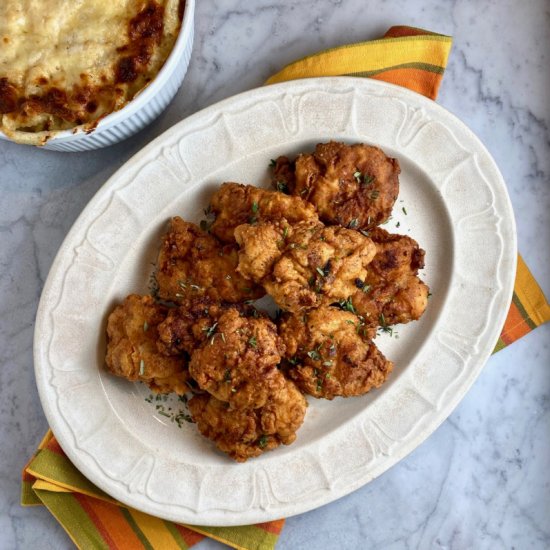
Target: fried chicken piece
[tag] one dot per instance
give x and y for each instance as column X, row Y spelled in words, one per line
column 304, row 265
column 245, row 433
column 238, row 361
column 330, row 353
column 132, row 347
column 193, row 264
column 393, row 292
column 235, row 204
column 350, row 185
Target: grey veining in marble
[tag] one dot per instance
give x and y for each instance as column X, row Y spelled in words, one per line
column 482, row 479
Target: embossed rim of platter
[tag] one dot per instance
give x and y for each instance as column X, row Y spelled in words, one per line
column 399, row 419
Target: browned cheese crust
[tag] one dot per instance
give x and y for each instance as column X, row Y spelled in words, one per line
column 103, row 73
column 238, row 361
column 305, row 265
column 330, row 354
column 193, row 264
column 235, row 204
column 353, row 186
column 243, row 434
column 393, row 292
column 132, row 347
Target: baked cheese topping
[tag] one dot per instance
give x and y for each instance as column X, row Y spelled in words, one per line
column 68, row 64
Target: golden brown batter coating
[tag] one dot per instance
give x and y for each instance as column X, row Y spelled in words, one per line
column 304, row 265
column 238, row 361
column 350, row 185
column 132, row 346
column 187, row 326
column 193, row 264
column 330, row 353
column 235, row 204
column 245, row 433
column 393, row 292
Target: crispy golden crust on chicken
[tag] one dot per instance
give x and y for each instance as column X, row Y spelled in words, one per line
column 330, row 354
column 235, row 204
column 308, row 264
column 186, row 326
column 393, row 292
column 350, row 185
column 132, row 346
column 193, row 264
column 238, row 361
column 245, row 433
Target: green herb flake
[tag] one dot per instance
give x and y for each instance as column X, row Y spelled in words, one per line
column 262, row 442
column 282, row 187
column 210, row 331
column 347, row 305
column 252, row 341
column 404, row 210
column 357, row 176
column 353, row 224
column 254, row 207
column 367, row 179
column 314, row 354
column 272, row 163
column 397, row 224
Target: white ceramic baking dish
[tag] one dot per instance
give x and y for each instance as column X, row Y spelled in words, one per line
column 145, row 106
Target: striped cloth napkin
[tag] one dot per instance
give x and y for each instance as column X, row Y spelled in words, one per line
column 410, row 57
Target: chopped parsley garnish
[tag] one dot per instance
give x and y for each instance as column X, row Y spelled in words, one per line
column 367, row 179
column 254, row 207
column 272, row 163
column 347, row 305
column 353, row 224
column 282, row 187
column 252, row 341
column 314, row 353
column 210, row 331
column 262, row 442
column 366, row 288
column 397, row 224
column 227, row 375
column 404, row 210
column 357, row 175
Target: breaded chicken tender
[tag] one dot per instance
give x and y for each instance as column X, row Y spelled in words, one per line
column 235, row 204
column 393, row 292
column 353, row 186
column 132, row 347
column 237, row 363
column 330, row 354
column 245, row 433
column 192, row 264
column 304, row 265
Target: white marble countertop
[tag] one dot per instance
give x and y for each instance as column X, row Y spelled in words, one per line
column 482, row 479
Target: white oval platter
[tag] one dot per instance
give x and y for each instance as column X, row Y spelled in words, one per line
column 453, row 201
